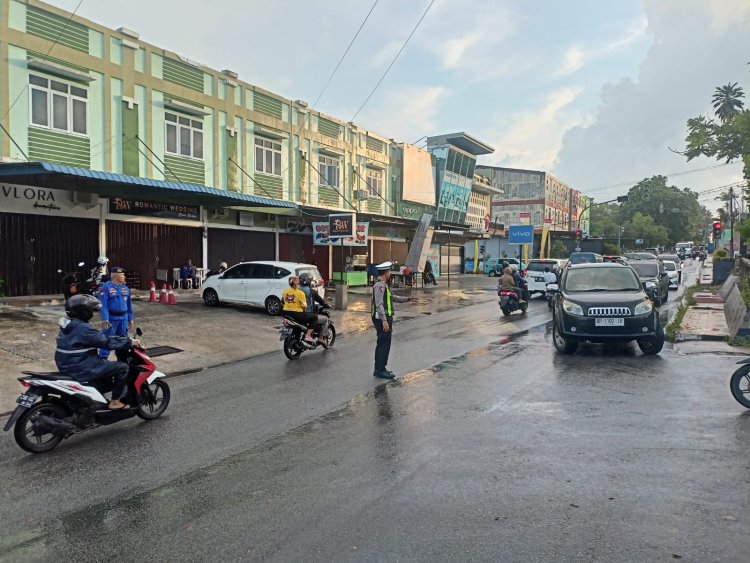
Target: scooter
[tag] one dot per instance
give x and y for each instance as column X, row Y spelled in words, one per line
column 78, row 282
column 550, row 291
column 55, row 406
column 509, row 301
column 739, row 384
column 293, row 333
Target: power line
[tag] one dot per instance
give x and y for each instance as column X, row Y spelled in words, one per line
column 341, row 60
column 393, row 61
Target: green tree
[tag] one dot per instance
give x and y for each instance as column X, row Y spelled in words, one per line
column 644, row 227
column 727, row 101
column 605, row 220
column 559, row 250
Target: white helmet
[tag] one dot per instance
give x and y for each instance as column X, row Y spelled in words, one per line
column 102, row 260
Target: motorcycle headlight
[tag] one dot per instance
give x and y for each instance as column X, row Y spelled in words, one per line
column 643, row 307
column 572, row 308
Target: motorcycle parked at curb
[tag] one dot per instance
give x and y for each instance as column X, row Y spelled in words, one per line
column 55, row 406
column 293, row 335
column 78, row 281
column 739, row 384
column 550, row 291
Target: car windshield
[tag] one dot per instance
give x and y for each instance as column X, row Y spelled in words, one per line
column 670, row 266
column 582, row 258
column 647, row 270
column 602, row 279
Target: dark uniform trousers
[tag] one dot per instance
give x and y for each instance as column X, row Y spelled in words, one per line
column 383, row 346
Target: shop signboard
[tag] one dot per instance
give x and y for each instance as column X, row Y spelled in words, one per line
column 413, row 211
column 321, row 238
column 521, row 234
column 45, row 201
column 159, row 209
column 341, row 225
column 454, row 202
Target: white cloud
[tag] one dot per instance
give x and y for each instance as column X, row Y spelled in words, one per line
column 407, row 111
column 573, row 59
column 455, row 49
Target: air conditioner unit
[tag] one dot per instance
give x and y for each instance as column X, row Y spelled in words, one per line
column 219, row 213
column 83, row 198
column 361, row 195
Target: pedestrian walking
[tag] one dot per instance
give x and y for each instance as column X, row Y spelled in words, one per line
column 382, row 319
column 117, row 307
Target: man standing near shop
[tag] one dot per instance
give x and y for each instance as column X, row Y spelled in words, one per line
column 382, row 319
column 117, row 307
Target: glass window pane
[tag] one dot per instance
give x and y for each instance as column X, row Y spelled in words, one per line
column 39, row 109
column 80, row 92
column 184, row 141
column 269, row 162
column 465, row 166
column 258, row 159
column 170, row 117
column 277, row 146
column 38, row 80
column 197, row 124
column 198, row 144
column 323, row 169
column 79, row 116
column 59, row 86
column 171, row 138
column 451, row 161
column 184, row 121
column 60, row 112
column 268, row 144
column 277, row 163
column 259, row 142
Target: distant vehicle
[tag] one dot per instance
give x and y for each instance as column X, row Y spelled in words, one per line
column 674, row 276
column 654, row 251
column 678, row 263
column 604, row 303
column 615, row 258
column 493, row 266
column 585, row 258
column 684, row 249
column 655, row 279
column 641, row 256
column 534, row 273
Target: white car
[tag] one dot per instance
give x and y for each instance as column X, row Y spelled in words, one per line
column 534, row 273
column 673, row 273
column 259, row 284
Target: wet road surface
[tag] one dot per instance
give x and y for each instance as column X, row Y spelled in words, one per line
column 492, row 448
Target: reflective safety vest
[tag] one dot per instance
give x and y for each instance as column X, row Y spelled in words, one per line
column 387, row 303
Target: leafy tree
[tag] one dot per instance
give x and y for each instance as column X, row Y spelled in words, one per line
column 559, row 250
column 610, row 248
column 727, row 101
column 605, row 220
column 644, row 227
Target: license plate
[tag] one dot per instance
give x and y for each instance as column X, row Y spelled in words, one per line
column 25, row 400
column 539, row 279
column 284, row 332
column 610, row 322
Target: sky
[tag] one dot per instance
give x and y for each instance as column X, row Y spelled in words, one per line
column 595, row 92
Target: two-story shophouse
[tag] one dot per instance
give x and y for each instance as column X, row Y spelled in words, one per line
column 111, row 145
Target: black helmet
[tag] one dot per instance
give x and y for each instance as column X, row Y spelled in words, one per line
column 83, row 306
column 305, row 278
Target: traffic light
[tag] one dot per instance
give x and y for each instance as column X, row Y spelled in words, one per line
column 579, row 234
column 717, row 230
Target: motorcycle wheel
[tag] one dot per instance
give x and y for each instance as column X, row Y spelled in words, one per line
column 739, row 384
column 524, row 306
column 24, row 434
column 331, row 337
column 154, row 399
column 292, row 348
column 507, row 312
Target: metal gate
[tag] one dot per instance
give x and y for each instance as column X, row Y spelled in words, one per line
column 233, row 246
column 34, row 247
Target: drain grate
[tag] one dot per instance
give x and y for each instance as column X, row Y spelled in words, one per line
column 161, row 351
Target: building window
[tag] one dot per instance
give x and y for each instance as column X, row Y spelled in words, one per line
column 329, row 171
column 183, row 136
column 375, row 182
column 58, row 106
column 268, row 157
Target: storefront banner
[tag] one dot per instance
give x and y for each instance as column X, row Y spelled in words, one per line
column 454, row 202
column 320, row 236
column 45, row 201
column 341, row 225
column 154, row 209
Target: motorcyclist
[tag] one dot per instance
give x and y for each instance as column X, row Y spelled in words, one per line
column 508, row 282
column 313, row 297
column 215, row 272
column 99, row 272
column 549, row 277
column 76, row 355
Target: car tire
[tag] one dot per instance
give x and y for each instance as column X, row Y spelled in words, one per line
column 273, row 306
column 211, row 298
column 653, row 345
column 562, row 344
column 491, row 273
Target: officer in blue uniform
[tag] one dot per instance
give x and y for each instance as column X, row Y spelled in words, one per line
column 117, row 308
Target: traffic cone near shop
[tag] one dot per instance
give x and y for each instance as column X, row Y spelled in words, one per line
column 172, row 300
column 152, row 293
column 163, row 295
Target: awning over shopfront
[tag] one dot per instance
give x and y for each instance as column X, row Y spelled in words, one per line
column 106, row 184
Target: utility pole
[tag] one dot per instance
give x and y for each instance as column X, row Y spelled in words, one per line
column 731, row 222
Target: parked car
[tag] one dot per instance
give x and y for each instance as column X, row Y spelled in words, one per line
column 674, row 277
column 655, row 279
column 604, row 303
column 585, row 257
column 534, row 273
column 259, row 284
column 493, row 266
column 654, row 251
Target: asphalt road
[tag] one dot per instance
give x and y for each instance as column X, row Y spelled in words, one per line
column 491, row 447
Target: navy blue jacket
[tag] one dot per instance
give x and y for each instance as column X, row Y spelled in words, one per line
column 312, row 297
column 77, row 344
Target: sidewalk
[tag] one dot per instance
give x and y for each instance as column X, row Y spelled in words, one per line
column 206, row 336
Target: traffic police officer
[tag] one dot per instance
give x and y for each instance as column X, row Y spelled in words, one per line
column 117, row 308
column 382, row 318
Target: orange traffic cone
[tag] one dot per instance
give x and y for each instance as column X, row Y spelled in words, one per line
column 152, row 293
column 172, row 300
column 163, row 295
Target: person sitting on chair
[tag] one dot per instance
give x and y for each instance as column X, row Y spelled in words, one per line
column 187, row 272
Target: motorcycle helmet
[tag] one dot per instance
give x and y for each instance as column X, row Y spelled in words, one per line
column 304, row 279
column 102, row 260
column 223, row 265
column 83, row 306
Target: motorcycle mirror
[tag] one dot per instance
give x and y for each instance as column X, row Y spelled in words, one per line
column 81, row 264
column 138, row 331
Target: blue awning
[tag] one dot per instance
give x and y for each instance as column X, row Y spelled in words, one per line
column 107, row 184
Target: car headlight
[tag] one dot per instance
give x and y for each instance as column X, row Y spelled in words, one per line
column 572, row 308
column 643, row 307
column 650, row 285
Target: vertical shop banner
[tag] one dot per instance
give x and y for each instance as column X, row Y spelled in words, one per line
column 321, row 237
column 524, row 218
column 433, row 255
column 546, row 246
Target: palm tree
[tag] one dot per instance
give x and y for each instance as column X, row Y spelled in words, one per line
column 727, row 101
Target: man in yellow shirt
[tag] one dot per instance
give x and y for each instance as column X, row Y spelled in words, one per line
column 294, row 304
